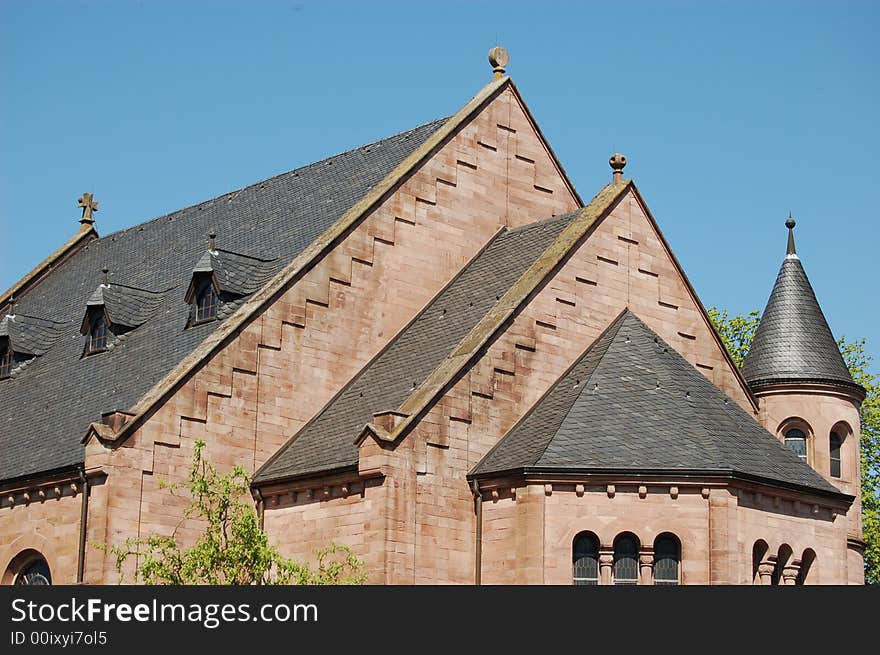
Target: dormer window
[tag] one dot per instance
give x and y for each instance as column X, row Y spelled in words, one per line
column 96, row 341
column 206, row 302
column 220, row 279
column 6, row 359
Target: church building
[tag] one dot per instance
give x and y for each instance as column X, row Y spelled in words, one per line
column 434, row 350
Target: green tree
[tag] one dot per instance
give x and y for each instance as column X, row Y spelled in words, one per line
column 737, row 333
column 234, row 549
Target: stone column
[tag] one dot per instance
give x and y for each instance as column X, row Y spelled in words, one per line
column 646, row 568
column 790, row 572
column 606, row 561
column 765, row 571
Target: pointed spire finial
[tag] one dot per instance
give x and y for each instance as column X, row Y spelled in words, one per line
column 499, row 59
column 790, row 225
column 617, row 162
column 89, row 205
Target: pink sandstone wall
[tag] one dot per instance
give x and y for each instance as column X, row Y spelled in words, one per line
column 622, row 264
column 528, row 540
column 822, row 410
column 49, row 526
column 286, row 364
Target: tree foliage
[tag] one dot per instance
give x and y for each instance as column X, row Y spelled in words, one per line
column 737, row 333
column 233, row 549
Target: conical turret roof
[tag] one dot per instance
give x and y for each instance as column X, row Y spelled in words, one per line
column 793, row 341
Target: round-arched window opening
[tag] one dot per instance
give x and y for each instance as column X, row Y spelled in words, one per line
column 667, row 555
column 35, row 572
column 796, row 441
column 835, row 441
column 626, row 560
column 585, row 559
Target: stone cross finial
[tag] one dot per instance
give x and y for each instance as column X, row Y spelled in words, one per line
column 499, row 59
column 617, row 162
column 89, row 205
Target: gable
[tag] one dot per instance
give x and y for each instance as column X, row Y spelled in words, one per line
column 620, row 261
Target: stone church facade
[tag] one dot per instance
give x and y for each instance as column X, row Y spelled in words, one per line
column 430, row 349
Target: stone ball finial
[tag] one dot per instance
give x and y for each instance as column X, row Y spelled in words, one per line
column 617, row 162
column 499, row 59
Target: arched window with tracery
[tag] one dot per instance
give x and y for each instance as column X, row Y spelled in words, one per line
column 667, row 556
column 34, row 572
column 796, row 441
column 626, row 560
column 585, row 559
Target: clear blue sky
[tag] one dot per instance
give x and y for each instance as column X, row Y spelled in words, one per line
column 731, row 115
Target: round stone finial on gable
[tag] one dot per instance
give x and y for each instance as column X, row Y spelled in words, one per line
column 499, row 59
column 617, row 162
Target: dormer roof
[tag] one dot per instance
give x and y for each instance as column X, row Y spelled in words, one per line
column 29, row 335
column 124, row 306
column 233, row 273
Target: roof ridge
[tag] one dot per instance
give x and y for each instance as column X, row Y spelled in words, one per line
column 317, row 248
column 501, row 232
column 675, row 382
column 510, row 302
column 609, row 334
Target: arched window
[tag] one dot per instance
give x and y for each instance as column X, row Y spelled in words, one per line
column 626, row 560
column 804, row 573
column 796, row 441
column 759, row 553
column 36, row 572
column 585, row 559
column 783, row 557
column 5, row 359
column 667, row 555
column 206, row 302
column 834, row 443
column 98, row 334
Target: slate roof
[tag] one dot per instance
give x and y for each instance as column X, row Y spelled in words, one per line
column 327, row 442
column 46, row 407
column 633, row 404
column 793, row 341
